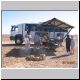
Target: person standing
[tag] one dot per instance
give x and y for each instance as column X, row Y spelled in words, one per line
column 27, row 45
column 68, row 43
column 72, row 44
column 37, row 40
column 44, row 40
column 27, row 40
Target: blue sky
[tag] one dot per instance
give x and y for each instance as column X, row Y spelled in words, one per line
column 16, row 17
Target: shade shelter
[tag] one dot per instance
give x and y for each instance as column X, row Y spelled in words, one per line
column 55, row 25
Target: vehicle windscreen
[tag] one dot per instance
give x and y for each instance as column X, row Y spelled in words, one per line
column 14, row 28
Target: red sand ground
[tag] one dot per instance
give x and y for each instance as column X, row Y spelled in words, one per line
column 11, row 58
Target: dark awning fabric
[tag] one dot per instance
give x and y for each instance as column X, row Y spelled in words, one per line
column 57, row 23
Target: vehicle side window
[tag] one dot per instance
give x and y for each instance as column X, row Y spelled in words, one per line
column 58, row 34
column 33, row 28
column 26, row 28
column 51, row 29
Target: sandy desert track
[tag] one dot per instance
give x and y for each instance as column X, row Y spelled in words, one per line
column 11, row 57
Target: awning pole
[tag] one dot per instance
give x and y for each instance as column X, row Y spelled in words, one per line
column 67, row 33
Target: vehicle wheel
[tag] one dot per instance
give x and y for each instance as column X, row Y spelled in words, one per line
column 18, row 41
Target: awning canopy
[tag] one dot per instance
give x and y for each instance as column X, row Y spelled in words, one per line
column 57, row 23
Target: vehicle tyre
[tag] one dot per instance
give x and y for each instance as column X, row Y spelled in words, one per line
column 18, row 41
